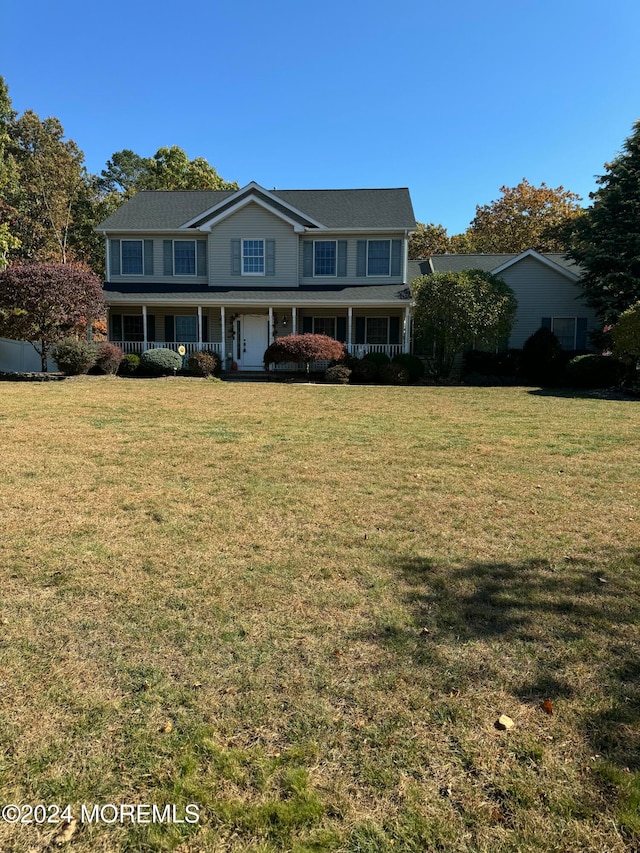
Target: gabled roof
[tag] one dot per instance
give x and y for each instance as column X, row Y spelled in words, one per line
column 499, row 262
column 355, row 209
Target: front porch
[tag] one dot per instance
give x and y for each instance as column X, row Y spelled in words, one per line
column 240, row 334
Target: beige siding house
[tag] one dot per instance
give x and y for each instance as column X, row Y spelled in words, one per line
column 231, row 270
column 546, row 287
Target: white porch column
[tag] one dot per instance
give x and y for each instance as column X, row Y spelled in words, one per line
column 200, row 326
column 294, row 320
column 407, row 330
column 349, row 324
column 144, row 325
column 223, row 336
column 270, row 338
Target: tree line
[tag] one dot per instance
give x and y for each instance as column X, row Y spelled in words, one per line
column 49, row 201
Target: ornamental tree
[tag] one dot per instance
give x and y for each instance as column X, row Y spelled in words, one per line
column 305, row 348
column 45, row 303
column 456, row 309
column 606, row 240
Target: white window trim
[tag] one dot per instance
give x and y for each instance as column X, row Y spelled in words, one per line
column 379, row 274
column 264, row 255
column 366, row 330
column 575, row 329
column 195, row 257
column 122, row 242
column 326, row 275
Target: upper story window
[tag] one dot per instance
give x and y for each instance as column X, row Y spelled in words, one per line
column 378, row 257
column 132, row 257
column 253, row 257
column 184, row 257
column 129, row 257
column 324, row 257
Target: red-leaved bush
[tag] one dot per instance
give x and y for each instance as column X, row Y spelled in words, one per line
column 305, row 348
column 109, row 357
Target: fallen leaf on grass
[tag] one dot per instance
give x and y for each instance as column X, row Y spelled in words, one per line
column 547, row 706
column 503, row 723
column 67, row 832
column 167, row 727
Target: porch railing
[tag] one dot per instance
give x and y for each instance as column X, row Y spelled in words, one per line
column 190, row 347
column 360, row 350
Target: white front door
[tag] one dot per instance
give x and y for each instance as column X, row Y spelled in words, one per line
column 253, row 341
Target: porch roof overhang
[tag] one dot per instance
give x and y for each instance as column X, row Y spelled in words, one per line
column 382, row 295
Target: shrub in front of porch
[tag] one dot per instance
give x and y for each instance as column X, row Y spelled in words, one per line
column 307, row 348
column 205, row 363
column 363, row 370
column 338, row 374
column 394, row 374
column 160, row 362
column 74, row 357
column 109, row 357
column 412, row 364
column 129, row 364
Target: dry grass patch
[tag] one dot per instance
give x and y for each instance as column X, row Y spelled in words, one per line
column 330, row 594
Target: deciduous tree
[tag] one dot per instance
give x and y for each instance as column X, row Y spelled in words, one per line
column 453, row 310
column 51, row 181
column 525, row 217
column 606, row 240
column 46, row 302
column 168, row 169
column 428, row 240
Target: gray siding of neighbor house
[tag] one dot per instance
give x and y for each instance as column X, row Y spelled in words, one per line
column 542, row 292
column 352, row 260
column 158, row 259
column 253, row 222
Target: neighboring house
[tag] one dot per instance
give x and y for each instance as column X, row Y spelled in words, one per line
column 231, row 270
column 545, row 285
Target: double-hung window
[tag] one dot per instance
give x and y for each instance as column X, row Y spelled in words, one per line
column 379, row 257
column 186, row 328
column 253, row 257
column 564, row 328
column 324, row 326
column 132, row 257
column 324, row 257
column 132, row 327
column 184, row 257
column 377, row 330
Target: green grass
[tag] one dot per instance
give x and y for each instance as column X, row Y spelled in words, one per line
column 330, row 594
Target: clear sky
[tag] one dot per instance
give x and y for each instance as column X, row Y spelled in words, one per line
column 452, row 99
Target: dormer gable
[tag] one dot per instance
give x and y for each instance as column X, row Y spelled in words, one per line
column 253, row 193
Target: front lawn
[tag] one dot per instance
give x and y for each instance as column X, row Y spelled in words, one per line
column 303, row 608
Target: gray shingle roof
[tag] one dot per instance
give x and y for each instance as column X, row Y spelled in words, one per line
column 357, row 208
column 201, row 294
column 456, row 263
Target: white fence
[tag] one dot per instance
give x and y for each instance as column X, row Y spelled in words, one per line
column 20, row 357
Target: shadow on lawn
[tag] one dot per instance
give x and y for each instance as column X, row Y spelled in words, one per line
column 615, row 393
column 548, row 622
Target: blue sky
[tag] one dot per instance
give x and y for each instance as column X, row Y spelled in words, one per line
column 452, row 100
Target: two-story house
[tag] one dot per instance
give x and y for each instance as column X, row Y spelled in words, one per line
column 231, row 270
